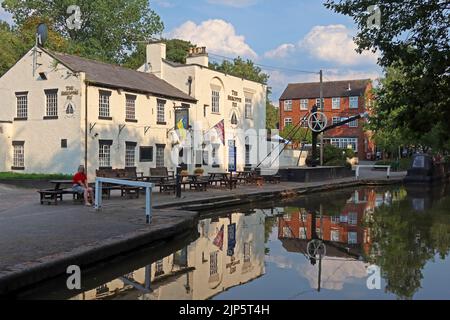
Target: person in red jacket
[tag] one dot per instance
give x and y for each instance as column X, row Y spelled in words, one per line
column 81, row 186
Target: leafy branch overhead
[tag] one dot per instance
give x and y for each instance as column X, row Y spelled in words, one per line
column 414, row 46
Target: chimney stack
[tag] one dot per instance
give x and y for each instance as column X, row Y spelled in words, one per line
column 156, row 52
column 199, row 56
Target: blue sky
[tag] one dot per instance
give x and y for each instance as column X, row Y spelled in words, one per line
column 292, row 34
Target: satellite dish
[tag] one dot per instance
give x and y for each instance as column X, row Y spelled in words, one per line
column 42, row 34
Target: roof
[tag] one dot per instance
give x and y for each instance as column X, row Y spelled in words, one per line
column 331, row 89
column 119, row 77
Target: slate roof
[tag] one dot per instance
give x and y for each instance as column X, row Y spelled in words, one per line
column 330, row 89
column 121, row 78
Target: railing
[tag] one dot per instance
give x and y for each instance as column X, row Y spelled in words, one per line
column 373, row 166
column 148, row 192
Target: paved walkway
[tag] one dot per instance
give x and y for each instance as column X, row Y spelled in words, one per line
column 31, row 234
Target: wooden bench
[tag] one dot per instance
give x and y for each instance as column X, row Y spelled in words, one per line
column 127, row 173
column 52, row 196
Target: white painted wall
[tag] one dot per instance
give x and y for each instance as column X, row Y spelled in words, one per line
column 42, row 138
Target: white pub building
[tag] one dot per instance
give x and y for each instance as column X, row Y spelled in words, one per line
column 64, row 111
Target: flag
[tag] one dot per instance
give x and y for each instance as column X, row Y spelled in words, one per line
column 220, row 128
column 181, row 129
column 218, row 241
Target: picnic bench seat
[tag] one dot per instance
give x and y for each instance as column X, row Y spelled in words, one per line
column 52, row 196
column 127, row 173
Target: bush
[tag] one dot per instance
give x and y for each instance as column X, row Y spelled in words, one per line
column 338, row 163
column 336, row 155
column 33, row 176
column 402, row 165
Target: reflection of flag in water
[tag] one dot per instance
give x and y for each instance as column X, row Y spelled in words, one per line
column 220, row 128
column 181, row 129
column 218, row 241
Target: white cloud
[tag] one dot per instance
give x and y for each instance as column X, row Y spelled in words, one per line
column 234, row 3
column 334, row 43
column 217, row 35
column 281, row 52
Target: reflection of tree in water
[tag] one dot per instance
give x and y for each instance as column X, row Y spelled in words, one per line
column 405, row 240
column 270, row 223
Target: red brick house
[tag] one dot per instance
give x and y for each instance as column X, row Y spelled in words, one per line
column 342, row 99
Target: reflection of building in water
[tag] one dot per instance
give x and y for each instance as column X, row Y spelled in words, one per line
column 229, row 252
column 344, row 229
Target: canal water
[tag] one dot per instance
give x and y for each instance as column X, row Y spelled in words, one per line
column 366, row 243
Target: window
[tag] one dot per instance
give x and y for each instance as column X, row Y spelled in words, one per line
column 22, row 105
column 215, row 101
column 304, row 104
column 336, row 103
column 343, row 219
column 352, row 218
column 64, row 143
column 247, row 155
column 160, row 155
column 215, row 155
column 213, row 257
column 287, row 217
column 318, row 104
column 287, row 233
column 335, row 236
column 247, row 252
column 336, row 120
column 51, row 110
column 302, row 233
column 130, row 154
column 287, row 122
column 353, row 124
column 352, row 238
column 304, row 217
column 288, row 105
column 304, row 123
column 205, row 157
column 159, row 268
column 354, row 102
column 18, row 155
column 104, row 153
column 160, row 112
column 248, row 108
column 103, row 104
column 345, row 143
column 146, row 154
column 130, row 107
column 335, row 219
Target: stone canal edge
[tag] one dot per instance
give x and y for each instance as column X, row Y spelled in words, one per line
column 28, row 274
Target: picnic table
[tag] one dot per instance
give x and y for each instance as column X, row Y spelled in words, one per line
column 58, row 183
column 222, row 178
column 53, row 195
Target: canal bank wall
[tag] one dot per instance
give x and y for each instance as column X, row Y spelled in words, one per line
column 33, row 261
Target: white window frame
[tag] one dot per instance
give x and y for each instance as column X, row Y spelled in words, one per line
column 336, row 120
column 215, row 101
column 353, row 218
column 51, row 105
column 104, row 155
column 130, row 155
column 304, row 104
column 248, row 108
column 160, row 156
column 130, row 107
column 287, row 105
column 286, row 120
column 319, row 105
column 336, row 103
column 22, row 105
column 342, row 143
column 104, row 105
column 352, row 237
column 160, row 111
column 287, row 232
column 352, row 101
column 353, row 124
column 19, row 156
column 302, row 233
column 335, row 236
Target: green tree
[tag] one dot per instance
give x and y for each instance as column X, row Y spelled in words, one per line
column 413, row 37
column 241, row 68
column 110, row 29
column 272, row 116
column 296, row 134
